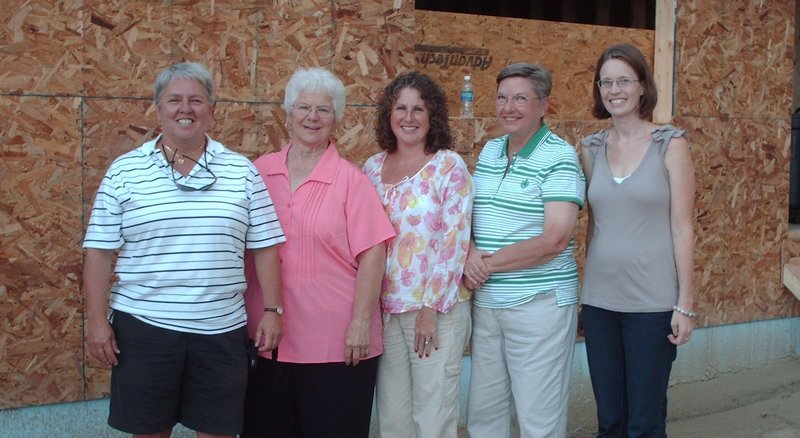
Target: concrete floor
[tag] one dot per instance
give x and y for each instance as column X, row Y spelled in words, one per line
column 762, row 402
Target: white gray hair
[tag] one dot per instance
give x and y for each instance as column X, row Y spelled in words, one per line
column 315, row 80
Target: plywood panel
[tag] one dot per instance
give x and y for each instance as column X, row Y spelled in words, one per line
column 708, row 140
column 734, row 58
column 272, row 132
column 757, row 203
column 702, row 85
column 449, row 47
column 40, row 46
column 355, row 134
column 463, row 132
column 40, row 316
column 236, row 125
column 373, row 41
column 125, row 44
column 762, row 59
column 222, row 35
column 291, row 35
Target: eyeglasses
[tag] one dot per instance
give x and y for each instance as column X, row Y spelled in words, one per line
column 185, row 188
column 517, row 101
column 324, row 112
column 621, row 83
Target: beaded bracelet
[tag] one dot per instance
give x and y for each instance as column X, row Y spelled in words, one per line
column 684, row 312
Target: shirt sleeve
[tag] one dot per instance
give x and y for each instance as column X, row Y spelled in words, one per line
column 105, row 223
column 564, row 179
column 265, row 229
column 367, row 223
column 452, row 238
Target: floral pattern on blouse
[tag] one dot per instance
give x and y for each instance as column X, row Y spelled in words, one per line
column 432, row 215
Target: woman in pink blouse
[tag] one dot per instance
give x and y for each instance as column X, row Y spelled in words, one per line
column 427, row 192
column 320, row 380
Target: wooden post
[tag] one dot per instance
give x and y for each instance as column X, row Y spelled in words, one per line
column 664, row 59
column 796, row 72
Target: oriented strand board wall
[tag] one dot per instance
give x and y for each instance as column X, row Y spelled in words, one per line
column 733, row 94
column 75, row 92
column 449, row 47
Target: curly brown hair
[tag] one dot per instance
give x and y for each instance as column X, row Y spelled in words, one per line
column 439, row 136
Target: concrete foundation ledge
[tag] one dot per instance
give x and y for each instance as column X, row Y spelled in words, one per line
column 740, row 380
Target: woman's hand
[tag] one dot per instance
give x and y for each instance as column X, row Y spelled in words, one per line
column 425, row 337
column 356, row 341
column 475, row 270
column 681, row 328
column 102, row 342
column 269, row 331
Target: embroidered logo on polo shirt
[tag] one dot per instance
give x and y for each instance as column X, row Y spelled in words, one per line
column 524, row 183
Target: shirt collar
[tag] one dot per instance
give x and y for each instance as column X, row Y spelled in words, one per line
column 212, row 148
column 323, row 172
column 531, row 145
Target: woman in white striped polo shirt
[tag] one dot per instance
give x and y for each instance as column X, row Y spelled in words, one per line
column 180, row 211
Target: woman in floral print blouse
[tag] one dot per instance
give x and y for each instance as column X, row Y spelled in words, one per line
column 428, row 194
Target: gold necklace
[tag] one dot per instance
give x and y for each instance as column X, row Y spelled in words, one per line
column 180, row 158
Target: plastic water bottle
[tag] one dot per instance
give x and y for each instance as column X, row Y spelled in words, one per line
column 467, row 97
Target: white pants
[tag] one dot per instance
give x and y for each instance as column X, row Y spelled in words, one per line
column 524, row 352
column 418, row 397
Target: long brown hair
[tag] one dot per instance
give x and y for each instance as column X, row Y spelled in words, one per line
column 633, row 57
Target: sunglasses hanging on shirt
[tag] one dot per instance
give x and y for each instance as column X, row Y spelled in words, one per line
column 180, row 159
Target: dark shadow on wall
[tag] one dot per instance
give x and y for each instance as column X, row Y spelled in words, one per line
column 640, row 14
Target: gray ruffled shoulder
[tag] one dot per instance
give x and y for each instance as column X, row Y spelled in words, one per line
column 664, row 133
column 594, row 142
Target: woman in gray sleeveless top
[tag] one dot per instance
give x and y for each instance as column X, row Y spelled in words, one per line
column 637, row 291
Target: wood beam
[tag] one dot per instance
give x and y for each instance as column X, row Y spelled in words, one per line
column 664, row 59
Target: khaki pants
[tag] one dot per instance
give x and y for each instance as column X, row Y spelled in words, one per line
column 418, row 397
column 521, row 357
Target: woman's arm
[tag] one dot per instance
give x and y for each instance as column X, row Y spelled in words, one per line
column 451, row 237
column 587, row 164
column 678, row 161
column 559, row 223
column 96, row 275
column 268, row 271
column 475, row 270
column 371, row 266
column 446, row 264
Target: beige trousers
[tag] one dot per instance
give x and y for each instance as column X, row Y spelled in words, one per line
column 521, row 364
column 419, row 397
